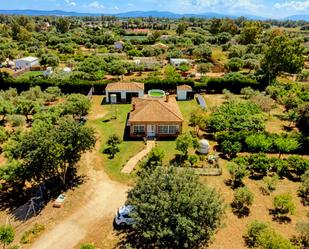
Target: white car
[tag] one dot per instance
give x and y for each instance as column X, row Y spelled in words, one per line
column 122, row 217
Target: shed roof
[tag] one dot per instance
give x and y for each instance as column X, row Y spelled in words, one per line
column 29, row 59
column 155, row 110
column 184, row 88
column 125, row 86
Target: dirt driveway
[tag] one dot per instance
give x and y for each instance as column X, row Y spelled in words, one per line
column 104, row 196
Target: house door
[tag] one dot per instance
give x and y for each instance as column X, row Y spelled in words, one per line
column 151, row 130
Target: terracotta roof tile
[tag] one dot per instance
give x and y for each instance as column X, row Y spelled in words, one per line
column 124, row 86
column 155, row 110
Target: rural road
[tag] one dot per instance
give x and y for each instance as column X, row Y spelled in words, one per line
column 106, row 196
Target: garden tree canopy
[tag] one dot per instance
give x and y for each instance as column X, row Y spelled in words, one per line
column 111, row 146
column 282, row 55
column 235, row 64
column 230, row 149
column 174, row 210
column 154, row 159
column 286, row 144
column 250, row 32
column 77, row 105
column 181, row 28
column 303, row 118
column 184, row 142
column 47, row 151
column 259, row 142
column 26, row 106
column 237, row 173
column 202, row 51
column 50, row 60
column 236, row 116
column 243, row 199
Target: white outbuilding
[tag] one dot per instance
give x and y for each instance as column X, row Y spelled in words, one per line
column 177, row 62
column 124, row 91
column 203, row 146
column 184, row 92
column 26, row 62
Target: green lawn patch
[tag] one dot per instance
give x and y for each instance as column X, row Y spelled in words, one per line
column 107, row 126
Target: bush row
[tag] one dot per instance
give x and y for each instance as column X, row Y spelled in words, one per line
column 234, row 82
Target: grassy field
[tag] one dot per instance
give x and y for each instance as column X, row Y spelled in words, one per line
column 29, row 74
column 101, row 120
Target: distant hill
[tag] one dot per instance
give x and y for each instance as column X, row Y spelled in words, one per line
column 157, row 14
column 304, row 17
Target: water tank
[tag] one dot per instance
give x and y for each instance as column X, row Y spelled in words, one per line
column 204, row 146
column 113, row 99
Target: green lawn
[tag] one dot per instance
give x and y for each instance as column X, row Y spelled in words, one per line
column 107, row 126
column 30, row 74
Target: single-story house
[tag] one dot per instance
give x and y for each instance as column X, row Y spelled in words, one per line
column 184, row 92
column 119, row 45
column 124, row 91
column 26, row 62
column 177, row 62
column 155, row 118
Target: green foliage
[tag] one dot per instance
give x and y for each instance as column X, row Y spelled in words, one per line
column 269, row 239
column 276, row 62
column 235, row 64
column 304, row 188
column 243, row 199
column 29, row 236
column 162, row 200
column 248, row 92
column 270, row 183
column 259, row 142
column 77, row 105
column 193, row 160
column 7, row 235
column 184, row 142
column 303, row 233
column 254, row 231
column 49, row 60
column 181, row 28
column 286, row 144
column 237, row 173
column 230, row 149
column 47, row 151
column 3, row 135
column 87, row 246
column 236, row 116
column 154, row 158
column 112, row 143
column 16, row 120
column 283, row 204
column 250, row 32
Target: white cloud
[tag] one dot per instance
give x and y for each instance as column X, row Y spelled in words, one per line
column 116, row 8
column 217, row 5
column 296, row 5
column 70, row 2
column 96, row 5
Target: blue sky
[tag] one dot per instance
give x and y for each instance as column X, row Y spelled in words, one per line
column 266, row 8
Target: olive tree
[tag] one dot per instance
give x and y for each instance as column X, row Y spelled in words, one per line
column 173, row 209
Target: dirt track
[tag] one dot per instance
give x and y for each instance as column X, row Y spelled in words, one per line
column 104, row 199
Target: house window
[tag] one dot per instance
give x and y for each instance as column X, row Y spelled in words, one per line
column 168, row 129
column 139, row 129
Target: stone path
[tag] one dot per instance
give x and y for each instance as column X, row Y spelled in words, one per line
column 134, row 160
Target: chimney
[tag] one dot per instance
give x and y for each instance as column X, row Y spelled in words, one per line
column 167, row 97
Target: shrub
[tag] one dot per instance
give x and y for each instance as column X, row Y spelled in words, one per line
column 299, row 164
column 243, row 199
column 3, row 135
column 230, row 149
column 30, row 235
column 283, row 204
column 270, row 183
column 304, row 188
column 248, row 92
column 193, row 160
column 154, row 158
column 254, row 230
column 259, row 164
column 16, row 120
column 87, row 246
column 235, row 64
column 112, row 143
column 269, row 239
column 237, row 173
column 303, row 233
column 259, row 142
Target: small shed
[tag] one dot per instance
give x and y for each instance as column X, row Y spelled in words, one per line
column 177, row 62
column 203, row 146
column 184, row 92
column 26, row 62
column 124, row 91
